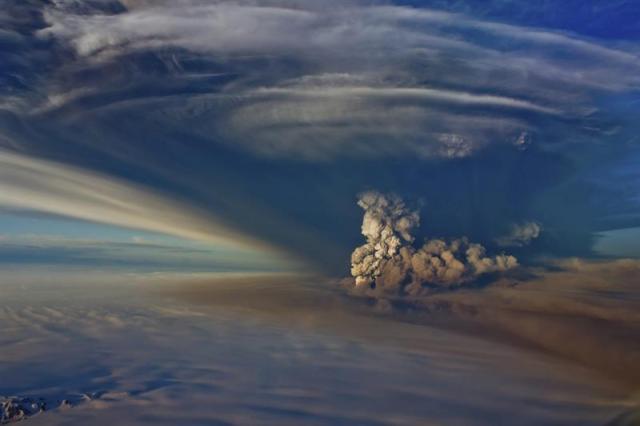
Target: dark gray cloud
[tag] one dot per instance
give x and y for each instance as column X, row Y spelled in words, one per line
column 137, row 254
column 273, row 131
column 520, row 235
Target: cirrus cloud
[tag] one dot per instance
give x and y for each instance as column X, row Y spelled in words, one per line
column 354, row 79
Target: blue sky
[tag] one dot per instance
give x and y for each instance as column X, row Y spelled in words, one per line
column 247, row 129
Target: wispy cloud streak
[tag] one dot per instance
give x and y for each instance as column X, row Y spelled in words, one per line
column 54, row 188
column 394, row 63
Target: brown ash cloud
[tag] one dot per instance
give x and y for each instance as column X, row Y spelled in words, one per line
column 390, row 264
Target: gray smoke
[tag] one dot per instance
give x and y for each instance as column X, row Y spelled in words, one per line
column 390, row 264
column 520, row 235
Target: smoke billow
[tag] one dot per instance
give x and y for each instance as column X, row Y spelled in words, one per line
column 520, row 235
column 389, row 263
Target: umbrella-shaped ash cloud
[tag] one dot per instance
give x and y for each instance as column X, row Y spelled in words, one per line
column 390, row 264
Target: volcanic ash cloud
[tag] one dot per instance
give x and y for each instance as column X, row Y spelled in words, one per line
column 390, row 264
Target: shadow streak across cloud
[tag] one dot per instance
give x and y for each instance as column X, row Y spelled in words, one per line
column 53, row 188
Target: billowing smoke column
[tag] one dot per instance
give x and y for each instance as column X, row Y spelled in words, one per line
column 390, row 264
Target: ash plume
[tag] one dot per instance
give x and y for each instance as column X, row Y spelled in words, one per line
column 390, row 264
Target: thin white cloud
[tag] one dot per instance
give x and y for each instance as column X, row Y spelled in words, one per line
column 54, row 188
column 532, row 35
column 317, row 125
column 380, row 33
column 420, row 93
